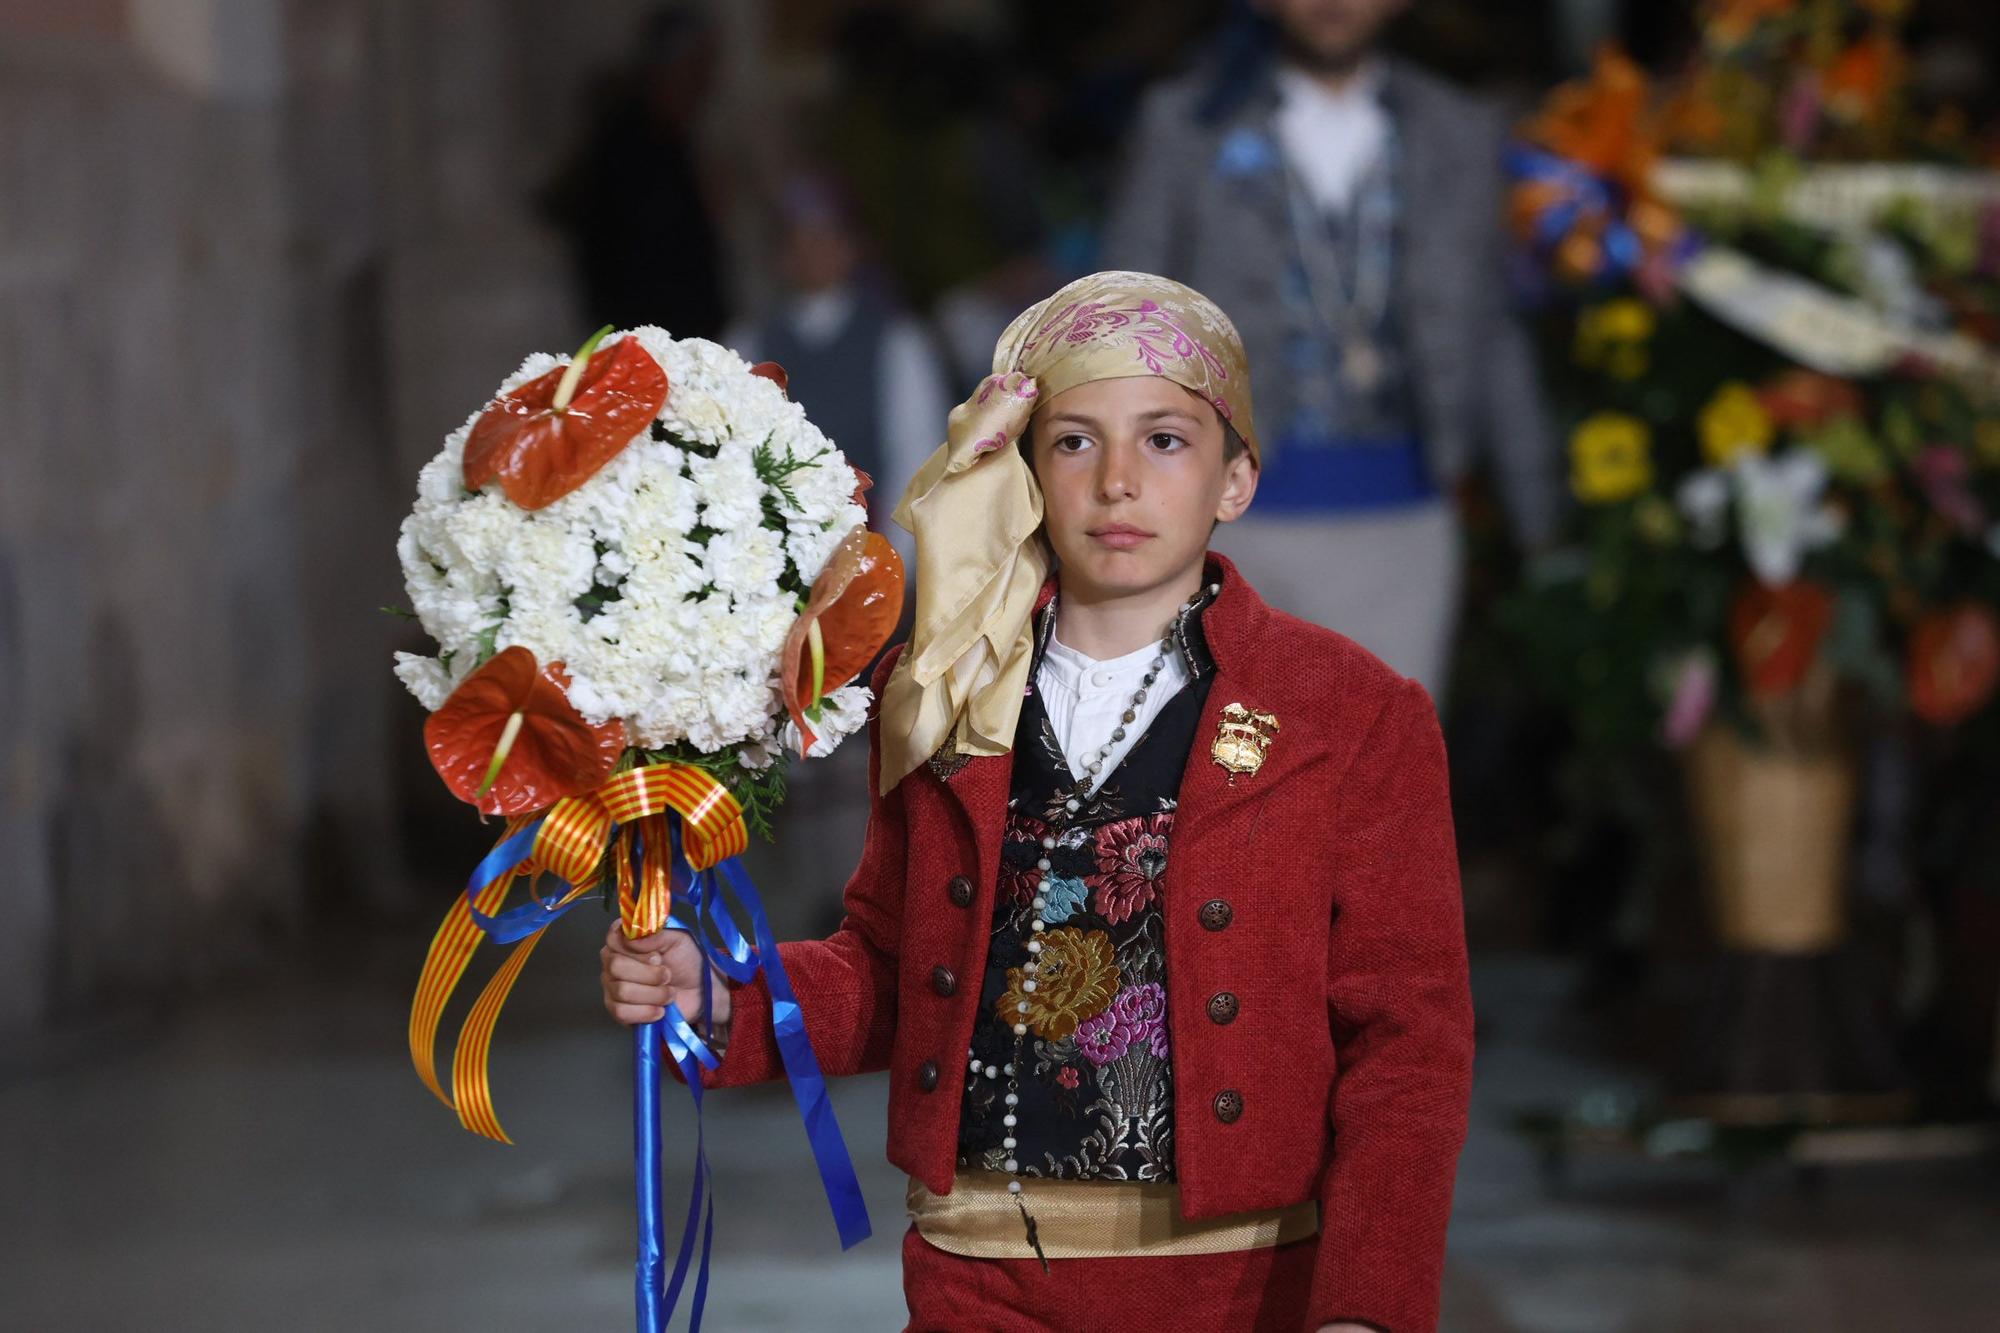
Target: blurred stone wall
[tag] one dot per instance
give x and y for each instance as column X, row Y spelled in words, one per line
column 256, row 256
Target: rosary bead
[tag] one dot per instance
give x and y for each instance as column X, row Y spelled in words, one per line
column 1020, row 1029
column 1008, row 1120
column 1008, row 1143
column 1013, row 1187
column 1013, row 1165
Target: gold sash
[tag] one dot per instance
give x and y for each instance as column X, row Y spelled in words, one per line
column 1091, row 1219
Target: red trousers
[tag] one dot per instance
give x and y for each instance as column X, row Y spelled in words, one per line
column 1249, row 1290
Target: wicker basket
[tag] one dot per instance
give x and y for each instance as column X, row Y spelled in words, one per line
column 1773, row 826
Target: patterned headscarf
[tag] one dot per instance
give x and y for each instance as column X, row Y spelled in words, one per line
column 976, row 511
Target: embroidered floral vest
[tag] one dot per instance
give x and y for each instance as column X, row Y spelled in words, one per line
column 1096, row 1097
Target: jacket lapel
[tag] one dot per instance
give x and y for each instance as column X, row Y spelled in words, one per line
column 979, row 788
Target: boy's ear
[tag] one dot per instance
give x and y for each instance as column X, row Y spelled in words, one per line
column 1239, row 487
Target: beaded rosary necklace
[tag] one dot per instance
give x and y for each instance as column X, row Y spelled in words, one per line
column 1171, row 640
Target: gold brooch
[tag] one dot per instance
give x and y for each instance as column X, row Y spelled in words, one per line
column 1243, row 739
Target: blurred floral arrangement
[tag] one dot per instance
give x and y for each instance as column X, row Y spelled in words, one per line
column 1771, row 294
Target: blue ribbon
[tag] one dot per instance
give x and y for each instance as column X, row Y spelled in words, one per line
column 723, row 942
column 516, row 923
column 655, row 1295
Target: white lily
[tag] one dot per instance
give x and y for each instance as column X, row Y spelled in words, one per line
column 1781, row 514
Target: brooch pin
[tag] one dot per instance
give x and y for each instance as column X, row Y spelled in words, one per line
column 1243, row 739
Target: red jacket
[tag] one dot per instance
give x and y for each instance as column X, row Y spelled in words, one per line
column 1350, row 1060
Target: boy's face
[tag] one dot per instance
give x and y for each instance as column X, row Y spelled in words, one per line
column 1133, row 478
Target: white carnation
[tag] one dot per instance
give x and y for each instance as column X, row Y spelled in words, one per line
column 679, row 638
column 841, row 714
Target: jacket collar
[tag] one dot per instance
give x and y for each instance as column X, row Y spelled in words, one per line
column 1195, row 653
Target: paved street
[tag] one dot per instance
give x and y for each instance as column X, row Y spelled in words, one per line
column 267, row 1161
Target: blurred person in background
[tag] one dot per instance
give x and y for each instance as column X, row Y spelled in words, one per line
column 870, row 376
column 1346, row 208
column 867, row 372
column 634, row 200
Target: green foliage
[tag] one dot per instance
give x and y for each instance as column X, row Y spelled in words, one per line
column 776, row 473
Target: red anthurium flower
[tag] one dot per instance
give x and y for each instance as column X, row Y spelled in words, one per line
column 509, row 741
column 853, row 609
column 1954, row 663
column 1806, row 398
column 1776, row 632
column 551, row 435
column 772, row 371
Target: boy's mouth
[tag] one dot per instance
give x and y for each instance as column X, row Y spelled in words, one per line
column 1121, row 536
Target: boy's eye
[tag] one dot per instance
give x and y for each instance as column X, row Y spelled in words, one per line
column 1069, row 444
column 1165, row 440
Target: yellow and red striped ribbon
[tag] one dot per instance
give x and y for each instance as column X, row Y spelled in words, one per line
column 570, row 844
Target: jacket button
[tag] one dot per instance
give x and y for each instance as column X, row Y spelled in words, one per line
column 927, row 1076
column 1216, row 914
column 1222, row 1007
column 960, row 890
column 1228, row 1104
column 942, row 980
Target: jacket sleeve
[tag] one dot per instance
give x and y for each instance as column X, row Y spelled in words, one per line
column 1400, row 1004
column 1144, row 228
column 846, row 983
column 1513, row 411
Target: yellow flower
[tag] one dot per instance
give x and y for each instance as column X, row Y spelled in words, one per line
column 1625, row 320
column 1734, row 423
column 1614, row 335
column 1077, row 979
column 1610, row 458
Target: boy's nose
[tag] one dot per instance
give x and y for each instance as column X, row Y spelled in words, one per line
column 1117, row 479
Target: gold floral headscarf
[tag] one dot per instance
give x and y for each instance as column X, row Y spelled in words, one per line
column 976, row 511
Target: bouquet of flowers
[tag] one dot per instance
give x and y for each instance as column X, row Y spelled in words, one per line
column 1782, row 384
column 649, row 577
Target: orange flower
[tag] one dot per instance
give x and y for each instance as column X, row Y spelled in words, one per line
column 1806, row 398
column 1601, row 121
column 508, row 740
column 1954, row 663
column 1077, row 979
column 548, row 437
column 852, row 611
column 1858, row 83
column 1775, row 633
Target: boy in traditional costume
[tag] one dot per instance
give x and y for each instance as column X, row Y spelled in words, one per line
column 1157, row 926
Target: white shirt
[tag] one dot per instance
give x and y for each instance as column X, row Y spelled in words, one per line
column 1331, row 138
column 1085, row 700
